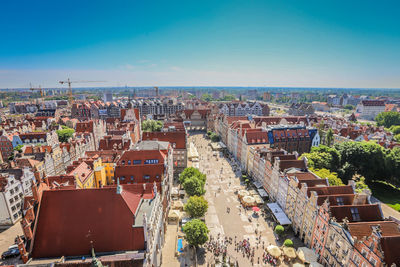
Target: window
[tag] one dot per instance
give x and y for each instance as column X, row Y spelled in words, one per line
column 146, row 176
column 129, row 162
column 123, row 162
column 11, row 200
column 137, row 162
column 131, row 177
column 373, row 261
column 122, row 178
column 355, row 214
column 340, row 201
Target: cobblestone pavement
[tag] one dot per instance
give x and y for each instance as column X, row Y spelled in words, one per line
column 221, row 183
column 7, row 238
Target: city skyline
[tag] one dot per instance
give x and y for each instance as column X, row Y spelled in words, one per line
column 179, row 43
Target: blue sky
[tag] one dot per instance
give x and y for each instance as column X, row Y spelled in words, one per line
column 184, row 43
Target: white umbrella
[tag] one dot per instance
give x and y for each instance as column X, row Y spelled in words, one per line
column 274, row 251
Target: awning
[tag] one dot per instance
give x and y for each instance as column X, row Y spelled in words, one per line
column 257, row 184
column 262, row 192
column 223, row 146
column 278, row 213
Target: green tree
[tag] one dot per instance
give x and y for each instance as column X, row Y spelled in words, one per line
column 329, row 137
column 332, row 177
column 191, row 172
column 349, row 107
column 360, row 183
column 388, row 118
column 196, row 206
column 152, row 126
column 397, row 138
column 288, row 243
column 207, row 97
column 194, row 186
column 279, row 230
column 318, row 160
column 214, row 137
column 19, row 148
column 196, row 232
column 395, row 129
column 65, row 134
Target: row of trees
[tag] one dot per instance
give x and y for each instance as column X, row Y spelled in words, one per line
column 193, row 181
column 366, row 159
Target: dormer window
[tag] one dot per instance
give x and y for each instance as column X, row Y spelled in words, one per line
column 355, row 214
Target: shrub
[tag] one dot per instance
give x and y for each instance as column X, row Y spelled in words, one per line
column 279, row 230
column 288, row 243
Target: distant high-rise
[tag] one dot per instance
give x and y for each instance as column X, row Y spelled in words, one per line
column 108, row 97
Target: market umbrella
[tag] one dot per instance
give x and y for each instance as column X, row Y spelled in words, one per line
column 301, row 256
column 256, row 209
column 178, row 205
column 274, row 251
column 243, row 193
column 248, row 201
column 289, row 252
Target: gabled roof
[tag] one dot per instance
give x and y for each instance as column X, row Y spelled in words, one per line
column 177, row 138
column 331, row 190
column 369, row 212
column 286, row 164
column 364, row 229
column 257, row 137
column 69, row 220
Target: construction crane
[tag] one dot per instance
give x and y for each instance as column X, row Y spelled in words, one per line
column 42, row 93
column 68, row 81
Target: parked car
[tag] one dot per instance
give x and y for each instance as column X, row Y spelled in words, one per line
column 12, row 252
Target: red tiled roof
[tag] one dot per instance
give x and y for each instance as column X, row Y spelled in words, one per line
column 364, row 229
column 369, row 212
column 286, row 164
column 303, row 176
column 84, row 127
column 391, row 247
column 82, row 171
column 70, row 219
column 37, row 149
column 331, row 190
column 373, row 103
column 257, row 137
column 177, row 138
column 108, row 143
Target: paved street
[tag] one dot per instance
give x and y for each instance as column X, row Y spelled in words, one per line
column 220, row 196
column 7, row 239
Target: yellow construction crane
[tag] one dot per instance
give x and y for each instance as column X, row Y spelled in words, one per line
column 42, row 93
column 68, row 81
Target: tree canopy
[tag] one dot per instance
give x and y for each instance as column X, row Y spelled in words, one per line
column 151, row 126
column 196, row 206
column 190, row 172
column 194, row 186
column 388, row 119
column 196, row 232
column 347, row 159
column 65, row 134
